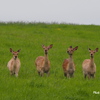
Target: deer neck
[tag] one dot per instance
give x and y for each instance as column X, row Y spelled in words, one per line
column 92, row 62
column 46, row 59
column 70, row 58
column 70, row 61
column 15, row 58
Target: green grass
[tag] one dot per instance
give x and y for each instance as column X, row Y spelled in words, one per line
column 30, row 38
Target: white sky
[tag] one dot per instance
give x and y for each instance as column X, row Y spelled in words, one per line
column 68, row 11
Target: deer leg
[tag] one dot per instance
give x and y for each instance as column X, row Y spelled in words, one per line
column 11, row 72
column 16, row 71
column 72, row 75
column 48, row 73
column 68, row 75
column 88, row 76
column 16, row 74
column 41, row 73
column 65, row 74
column 93, row 76
column 85, row 76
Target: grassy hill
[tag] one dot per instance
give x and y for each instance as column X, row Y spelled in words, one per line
column 30, row 38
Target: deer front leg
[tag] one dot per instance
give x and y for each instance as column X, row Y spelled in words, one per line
column 68, row 75
column 65, row 74
column 85, row 76
column 11, row 72
column 41, row 73
column 16, row 71
column 93, row 76
column 72, row 75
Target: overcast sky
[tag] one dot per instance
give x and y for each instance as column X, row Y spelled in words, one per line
column 67, row 11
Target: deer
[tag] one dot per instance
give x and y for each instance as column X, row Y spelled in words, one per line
column 14, row 64
column 42, row 62
column 89, row 66
column 68, row 64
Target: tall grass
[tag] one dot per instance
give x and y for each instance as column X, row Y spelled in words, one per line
column 29, row 38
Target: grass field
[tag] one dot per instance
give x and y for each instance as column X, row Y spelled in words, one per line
column 30, row 38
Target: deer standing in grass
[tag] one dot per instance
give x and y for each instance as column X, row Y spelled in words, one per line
column 68, row 64
column 14, row 64
column 88, row 65
column 42, row 62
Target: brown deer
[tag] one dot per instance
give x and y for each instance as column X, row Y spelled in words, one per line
column 42, row 62
column 68, row 64
column 14, row 64
column 88, row 65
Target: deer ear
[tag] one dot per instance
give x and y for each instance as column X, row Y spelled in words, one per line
column 75, row 48
column 11, row 50
column 96, row 50
column 89, row 49
column 18, row 50
column 43, row 46
column 50, row 46
column 70, row 46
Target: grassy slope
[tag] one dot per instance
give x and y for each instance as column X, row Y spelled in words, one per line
column 29, row 38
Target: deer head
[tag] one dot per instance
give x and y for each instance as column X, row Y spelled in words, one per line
column 15, row 53
column 46, row 48
column 71, row 50
column 92, row 52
